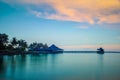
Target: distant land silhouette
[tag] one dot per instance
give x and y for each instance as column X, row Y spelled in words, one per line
column 15, row 47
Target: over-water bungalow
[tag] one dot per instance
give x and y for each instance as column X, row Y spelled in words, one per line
column 54, row 49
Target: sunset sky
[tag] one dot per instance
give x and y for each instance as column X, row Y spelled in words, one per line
column 70, row 24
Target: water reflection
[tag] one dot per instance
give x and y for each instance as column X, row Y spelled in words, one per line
column 100, row 72
column 2, row 67
column 12, row 66
column 54, row 59
column 58, row 66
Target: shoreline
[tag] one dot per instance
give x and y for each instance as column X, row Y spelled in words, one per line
column 12, row 52
column 91, row 51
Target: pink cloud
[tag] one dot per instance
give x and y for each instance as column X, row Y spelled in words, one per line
column 105, row 11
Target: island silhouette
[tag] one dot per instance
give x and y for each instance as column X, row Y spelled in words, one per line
column 16, row 47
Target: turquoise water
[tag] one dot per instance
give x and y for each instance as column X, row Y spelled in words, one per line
column 66, row 66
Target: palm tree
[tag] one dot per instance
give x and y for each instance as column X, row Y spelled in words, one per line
column 22, row 45
column 14, row 42
column 10, row 47
column 40, row 45
column 36, row 46
column 45, row 46
column 3, row 41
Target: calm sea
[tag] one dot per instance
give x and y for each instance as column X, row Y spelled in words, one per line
column 66, row 66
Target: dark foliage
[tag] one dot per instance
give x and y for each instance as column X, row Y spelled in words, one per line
column 35, row 46
column 14, row 44
column 3, row 41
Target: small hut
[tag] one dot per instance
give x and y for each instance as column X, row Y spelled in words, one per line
column 54, row 49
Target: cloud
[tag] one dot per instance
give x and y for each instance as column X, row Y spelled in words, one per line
column 90, row 11
column 82, row 27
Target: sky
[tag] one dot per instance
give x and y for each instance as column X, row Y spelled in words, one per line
column 70, row 24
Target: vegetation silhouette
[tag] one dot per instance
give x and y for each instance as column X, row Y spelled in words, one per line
column 36, row 46
column 15, row 46
column 100, row 51
column 3, row 41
